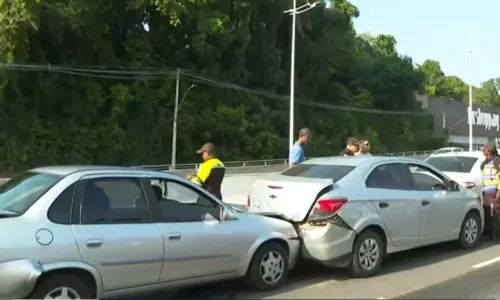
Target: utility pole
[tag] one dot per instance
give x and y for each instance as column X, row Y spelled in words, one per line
column 294, row 12
column 174, row 126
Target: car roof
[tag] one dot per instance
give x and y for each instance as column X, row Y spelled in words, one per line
column 476, row 154
column 357, row 160
column 70, row 169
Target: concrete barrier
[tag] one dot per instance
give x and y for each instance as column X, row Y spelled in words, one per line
column 239, row 180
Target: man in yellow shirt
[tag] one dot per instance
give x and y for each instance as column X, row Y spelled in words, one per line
column 211, row 172
column 491, row 191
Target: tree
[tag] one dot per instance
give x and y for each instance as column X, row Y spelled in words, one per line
column 488, row 93
column 237, row 53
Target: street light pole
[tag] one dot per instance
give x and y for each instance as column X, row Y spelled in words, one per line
column 176, row 114
column 294, row 12
column 292, row 78
column 471, row 118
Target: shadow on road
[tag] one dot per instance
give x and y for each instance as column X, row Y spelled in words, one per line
column 307, row 274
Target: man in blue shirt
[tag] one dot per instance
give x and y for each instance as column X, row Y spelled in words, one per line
column 296, row 155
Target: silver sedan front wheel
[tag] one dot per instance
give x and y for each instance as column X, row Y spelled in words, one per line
column 269, row 267
column 62, row 293
column 272, row 267
column 470, row 231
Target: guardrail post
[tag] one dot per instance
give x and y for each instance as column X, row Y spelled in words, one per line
column 244, row 164
column 265, row 163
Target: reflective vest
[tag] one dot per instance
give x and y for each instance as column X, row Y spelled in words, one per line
column 490, row 178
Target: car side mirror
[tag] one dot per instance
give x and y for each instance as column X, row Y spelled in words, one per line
column 452, row 186
column 227, row 215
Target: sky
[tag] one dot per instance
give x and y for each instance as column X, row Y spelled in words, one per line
column 442, row 30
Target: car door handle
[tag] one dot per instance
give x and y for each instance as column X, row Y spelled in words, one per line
column 94, row 243
column 425, row 203
column 383, row 205
column 174, row 236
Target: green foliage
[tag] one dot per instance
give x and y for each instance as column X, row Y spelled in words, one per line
column 437, row 84
column 59, row 116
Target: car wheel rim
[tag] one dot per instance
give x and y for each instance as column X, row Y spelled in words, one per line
column 272, row 267
column 62, row 293
column 470, row 231
column 369, row 254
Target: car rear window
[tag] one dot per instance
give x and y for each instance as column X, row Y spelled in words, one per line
column 459, row 164
column 19, row 193
column 335, row 172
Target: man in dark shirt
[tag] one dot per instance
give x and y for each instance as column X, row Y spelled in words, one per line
column 351, row 148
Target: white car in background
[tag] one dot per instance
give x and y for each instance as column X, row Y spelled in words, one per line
column 447, row 150
column 463, row 167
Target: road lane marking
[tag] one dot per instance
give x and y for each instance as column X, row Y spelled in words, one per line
column 486, row 263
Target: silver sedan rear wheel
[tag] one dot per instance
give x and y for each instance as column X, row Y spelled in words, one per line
column 64, row 285
column 369, row 254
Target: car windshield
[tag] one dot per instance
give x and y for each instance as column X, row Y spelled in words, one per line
column 335, row 172
column 21, row 192
column 458, row 164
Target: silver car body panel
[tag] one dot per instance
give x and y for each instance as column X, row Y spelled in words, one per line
column 405, row 223
column 124, row 259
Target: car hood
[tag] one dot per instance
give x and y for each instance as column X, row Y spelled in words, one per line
column 271, row 221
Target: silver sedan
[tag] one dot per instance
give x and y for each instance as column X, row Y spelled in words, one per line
column 352, row 211
column 76, row 232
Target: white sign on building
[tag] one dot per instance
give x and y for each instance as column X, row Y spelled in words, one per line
column 484, row 119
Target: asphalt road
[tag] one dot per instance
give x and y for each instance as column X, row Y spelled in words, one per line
column 480, row 283
column 436, row 272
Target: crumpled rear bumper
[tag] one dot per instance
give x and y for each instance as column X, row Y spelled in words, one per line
column 18, row 278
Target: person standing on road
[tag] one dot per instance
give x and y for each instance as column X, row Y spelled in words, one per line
column 490, row 168
column 364, row 148
column 211, row 172
column 351, row 147
column 296, row 155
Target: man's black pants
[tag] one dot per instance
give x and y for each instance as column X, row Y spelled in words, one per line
column 491, row 221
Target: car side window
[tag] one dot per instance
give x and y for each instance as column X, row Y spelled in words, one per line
column 180, row 203
column 389, row 176
column 60, row 210
column 425, row 179
column 114, row 200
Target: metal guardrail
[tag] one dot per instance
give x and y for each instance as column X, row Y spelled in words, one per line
column 261, row 163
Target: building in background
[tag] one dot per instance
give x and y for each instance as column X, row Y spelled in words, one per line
column 451, row 116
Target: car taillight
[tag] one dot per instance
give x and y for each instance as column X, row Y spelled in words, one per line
column 249, row 201
column 325, row 208
column 469, row 185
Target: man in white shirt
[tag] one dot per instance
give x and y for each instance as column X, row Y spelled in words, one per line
column 364, row 148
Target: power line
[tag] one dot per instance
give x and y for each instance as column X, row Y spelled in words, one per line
column 110, row 72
